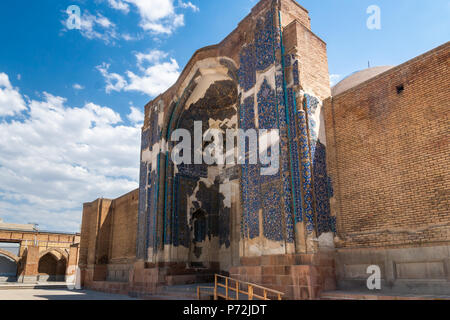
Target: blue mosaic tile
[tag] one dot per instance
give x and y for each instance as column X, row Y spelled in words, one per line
column 306, row 172
column 141, row 207
column 264, row 42
column 286, row 183
column 287, row 60
column 247, row 69
column 145, row 139
column 325, row 223
column 311, row 104
column 272, row 218
column 267, row 117
column 250, row 177
column 176, row 209
column 295, row 170
column 286, row 177
column 295, row 73
column 267, row 109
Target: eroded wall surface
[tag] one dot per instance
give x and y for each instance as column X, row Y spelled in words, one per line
column 270, row 73
column 108, row 238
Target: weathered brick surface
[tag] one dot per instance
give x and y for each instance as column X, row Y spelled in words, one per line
column 312, row 56
column 388, row 155
column 123, row 237
column 108, row 238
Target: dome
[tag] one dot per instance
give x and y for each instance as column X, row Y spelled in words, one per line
column 357, row 78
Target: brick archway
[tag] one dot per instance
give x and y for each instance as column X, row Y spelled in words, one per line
column 10, row 255
column 9, row 266
column 60, row 251
column 52, row 267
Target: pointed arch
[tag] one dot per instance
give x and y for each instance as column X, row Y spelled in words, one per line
column 205, row 75
column 10, row 255
column 63, row 253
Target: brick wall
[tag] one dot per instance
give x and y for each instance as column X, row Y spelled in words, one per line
column 89, row 228
column 388, row 155
column 311, row 52
column 124, row 227
column 108, row 236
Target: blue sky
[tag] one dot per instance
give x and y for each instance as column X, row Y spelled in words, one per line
column 71, row 101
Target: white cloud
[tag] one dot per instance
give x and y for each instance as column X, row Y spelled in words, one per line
column 11, row 101
column 119, row 5
column 77, row 86
column 157, row 16
column 136, row 115
column 114, row 81
column 157, row 74
column 59, row 157
column 153, row 56
column 334, row 79
column 129, row 37
column 156, row 79
column 189, row 5
column 96, row 27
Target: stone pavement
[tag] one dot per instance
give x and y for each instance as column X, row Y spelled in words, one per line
column 58, row 294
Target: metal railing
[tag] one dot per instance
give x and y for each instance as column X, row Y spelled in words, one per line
column 232, row 289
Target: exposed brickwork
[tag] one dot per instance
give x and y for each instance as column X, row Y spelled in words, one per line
column 123, row 237
column 312, row 58
column 388, row 155
column 108, row 245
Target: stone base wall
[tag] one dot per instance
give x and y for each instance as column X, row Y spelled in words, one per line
column 413, row 270
column 142, row 280
column 299, row 276
column 118, row 272
column 409, row 270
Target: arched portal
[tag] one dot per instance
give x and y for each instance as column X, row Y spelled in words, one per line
column 8, row 268
column 187, row 202
column 9, row 261
column 196, row 192
column 52, row 267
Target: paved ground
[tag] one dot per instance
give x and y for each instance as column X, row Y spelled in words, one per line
column 58, row 294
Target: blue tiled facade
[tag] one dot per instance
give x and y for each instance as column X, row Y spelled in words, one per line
column 302, row 192
column 147, row 210
column 323, row 191
column 298, row 193
column 264, row 42
column 306, row 172
column 250, row 177
column 247, row 71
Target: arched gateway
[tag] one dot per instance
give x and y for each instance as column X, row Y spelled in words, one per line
column 217, row 216
column 196, row 218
